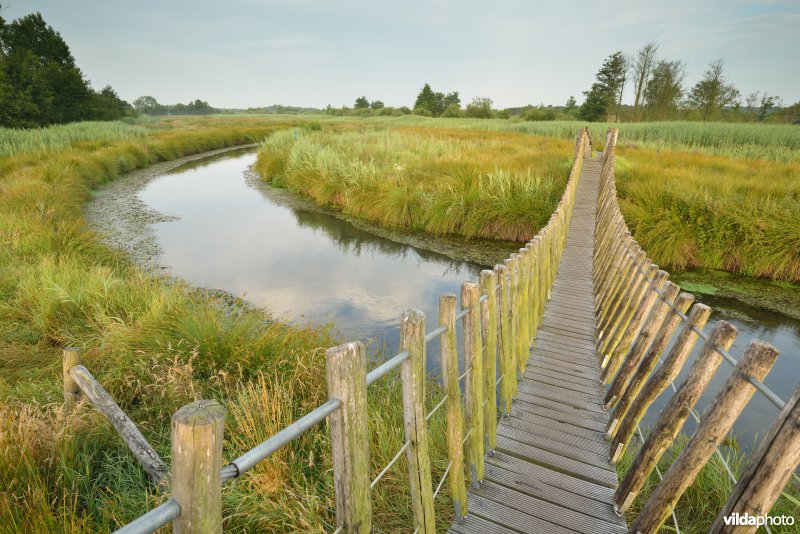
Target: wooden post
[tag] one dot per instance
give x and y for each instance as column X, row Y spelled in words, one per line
column 674, row 415
column 455, row 428
column 649, row 326
column 630, row 394
column 197, row 434
column 489, row 333
column 532, row 297
column 346, row 371
column 413, row 377
column 507, row 368
column 524, row 309
column 71, row 356
column 513, row 316
column 473, row 361
column 768, row 472
column 716, row 422
column 147, row 457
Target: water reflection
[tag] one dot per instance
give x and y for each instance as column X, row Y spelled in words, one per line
column 302, row 265
column 308, row 266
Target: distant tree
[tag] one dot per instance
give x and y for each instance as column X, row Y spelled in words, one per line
column 107, row 106
column 642, row 67
column 453, row 110
column 451, row 99
column 361, row 103
column 376, row 104
column 664, row 89
column 605, row 93
column 435, row 102
column 147, row 105
column 766, row 105
column 571, row 107
column 480, row 108
column 711, row 94
column 791, row 114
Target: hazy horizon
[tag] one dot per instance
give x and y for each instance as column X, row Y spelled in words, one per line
column 254, row 54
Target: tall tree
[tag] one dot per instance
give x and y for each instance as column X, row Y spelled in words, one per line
column 361, row 103
column 606, row 92
column 664, row 89
column 711, row 94
column 435, row 102
column 480, row 108
column 641, row 68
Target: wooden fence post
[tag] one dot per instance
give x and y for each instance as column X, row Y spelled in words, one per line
column 489, row 334
column 649, row 362
column 197, row 434
column 524, row 309
column 346, row 371
column 715, row 424
column 507, row 368
column 71, row 356
column 513, row 315
column 455, row 423
column 674, row 415
column 473, row 361
column 532, row 298
column 631, row 362
column 768, row 472
column 413, row 378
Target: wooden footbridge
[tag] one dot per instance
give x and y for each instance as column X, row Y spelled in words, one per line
column 565, row 346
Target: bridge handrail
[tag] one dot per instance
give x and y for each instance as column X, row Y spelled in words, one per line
column 506, row 310
column 627, row 286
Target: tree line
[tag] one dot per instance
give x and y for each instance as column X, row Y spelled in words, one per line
column 40, row 83
column 660, row 93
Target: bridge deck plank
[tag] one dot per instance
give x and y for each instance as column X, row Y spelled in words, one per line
column 550, row 472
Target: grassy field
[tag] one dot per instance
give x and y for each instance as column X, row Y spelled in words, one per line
column 154, row 346
column 456, row 182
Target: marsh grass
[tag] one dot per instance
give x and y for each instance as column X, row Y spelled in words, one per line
column 455, row 182
column 698, row 507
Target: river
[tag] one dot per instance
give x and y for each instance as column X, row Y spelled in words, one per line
column 216, row 230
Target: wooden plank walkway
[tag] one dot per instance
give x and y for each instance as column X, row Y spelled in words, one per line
column 550, row 473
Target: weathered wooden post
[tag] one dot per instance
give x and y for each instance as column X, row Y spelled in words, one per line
column 413, row 377
column 674, row 415
column 513, row 316
column 716, row 422
column 768, row 472
column 489, row 334
column 473, row 361
column 455, row 428
column 346, row 370
column 197, row 434
column 507, row 368
column 524, row 309
column 71, row 356
column 649, row 362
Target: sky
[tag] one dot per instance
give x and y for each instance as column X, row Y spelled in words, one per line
column 243, row 53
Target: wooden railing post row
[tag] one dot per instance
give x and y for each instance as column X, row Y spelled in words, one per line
column 674, row 415
column 507, row 368
column 71, row 356
column 455, row 424
column 768, row 471
column 664, row 375
column 645, row 301
column 609, row 274
column 618, row 292
column 621, row 302
column 197, row 434
column 346, row 374
column 715, row 424
column 473, row 361
column 608, row 261
column 648, row 331
column 532, row 287
column 488, row 281
column 413, row 377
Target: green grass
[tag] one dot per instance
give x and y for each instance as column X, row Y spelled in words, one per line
column 444, row 182
column 16, row 142
column 698, row 507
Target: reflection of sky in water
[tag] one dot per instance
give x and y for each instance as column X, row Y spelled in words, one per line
column 301, row 265
column 312, row 267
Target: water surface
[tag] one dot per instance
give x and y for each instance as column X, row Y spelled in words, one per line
column 307, row 266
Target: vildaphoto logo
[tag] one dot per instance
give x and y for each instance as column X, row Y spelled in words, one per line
column 745, row 519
